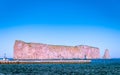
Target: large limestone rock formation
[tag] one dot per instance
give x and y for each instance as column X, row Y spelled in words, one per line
column 24, row 50
column 106, row 54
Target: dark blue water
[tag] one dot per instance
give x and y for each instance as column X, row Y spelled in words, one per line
column 96, row 67
column 7, row 58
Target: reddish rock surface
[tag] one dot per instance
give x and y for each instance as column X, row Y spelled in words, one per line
column 24, row 50
column 106, row 54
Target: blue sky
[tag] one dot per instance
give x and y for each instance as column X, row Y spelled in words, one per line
column 62, row 22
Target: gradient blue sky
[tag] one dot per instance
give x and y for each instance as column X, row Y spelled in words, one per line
column 61, row 22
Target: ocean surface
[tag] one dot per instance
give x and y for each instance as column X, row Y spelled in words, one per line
column 96, row 67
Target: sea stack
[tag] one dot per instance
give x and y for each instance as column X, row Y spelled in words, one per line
column 23, row 50
column 106, row 54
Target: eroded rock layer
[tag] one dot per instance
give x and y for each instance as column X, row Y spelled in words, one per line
column 24, row 50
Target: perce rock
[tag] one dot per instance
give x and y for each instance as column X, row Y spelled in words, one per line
column 24, row 50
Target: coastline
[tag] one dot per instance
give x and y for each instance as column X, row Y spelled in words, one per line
column 44, row 61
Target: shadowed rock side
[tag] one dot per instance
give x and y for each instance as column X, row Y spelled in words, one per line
column 24, row 50
column 106, row 54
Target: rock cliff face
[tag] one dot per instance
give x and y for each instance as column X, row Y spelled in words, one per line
column 106, row 54
column 24, row 50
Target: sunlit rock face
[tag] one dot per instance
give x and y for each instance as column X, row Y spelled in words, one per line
column 106, row 54
column 24, row 50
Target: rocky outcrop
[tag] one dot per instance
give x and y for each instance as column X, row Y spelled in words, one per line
column 24, row 50
column 106, row 54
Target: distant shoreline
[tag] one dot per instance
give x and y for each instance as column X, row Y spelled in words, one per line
column 43, row 61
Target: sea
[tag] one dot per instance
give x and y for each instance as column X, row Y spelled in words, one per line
column 96, row 67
